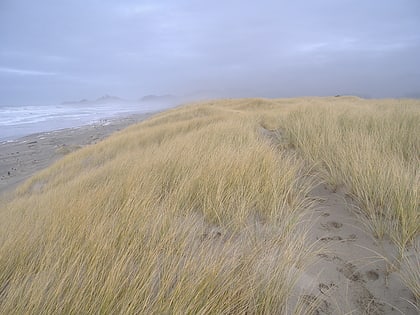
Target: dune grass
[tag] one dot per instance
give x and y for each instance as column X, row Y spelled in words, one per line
column 191, row 212
column 373, row 149
column 198, row 211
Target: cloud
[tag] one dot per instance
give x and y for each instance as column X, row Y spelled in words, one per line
column 354, row 45
column 273, row 48
column 133, row 10
column 36, row 57
column 25, row 72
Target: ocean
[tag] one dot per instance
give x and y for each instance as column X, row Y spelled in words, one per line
column 20, row 121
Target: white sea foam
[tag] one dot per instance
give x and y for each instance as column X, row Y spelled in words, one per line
column 19, row 121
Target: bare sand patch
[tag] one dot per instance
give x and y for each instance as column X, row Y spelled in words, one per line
column 354, row 272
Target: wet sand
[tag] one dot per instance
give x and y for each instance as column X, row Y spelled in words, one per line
column 22, row 158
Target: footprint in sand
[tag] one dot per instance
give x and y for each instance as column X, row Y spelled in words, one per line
column 329, row 257
column 349, row 271
column 330, row 225
column 372, row 275
column 352, row 237
column 331, row 238
column 326, row 288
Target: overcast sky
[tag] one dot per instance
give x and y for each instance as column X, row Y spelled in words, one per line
column 52, row 50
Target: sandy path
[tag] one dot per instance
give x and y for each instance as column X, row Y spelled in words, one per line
column 22, row 158
column 350, row 277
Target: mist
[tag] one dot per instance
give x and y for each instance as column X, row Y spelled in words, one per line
column 53, row 51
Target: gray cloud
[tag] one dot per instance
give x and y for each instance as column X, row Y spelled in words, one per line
column 13, row 71
column 53, row 50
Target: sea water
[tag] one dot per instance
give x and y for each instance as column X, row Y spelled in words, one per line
column 20, row 121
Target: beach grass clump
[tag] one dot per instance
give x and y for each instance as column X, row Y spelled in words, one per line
column 410, row 272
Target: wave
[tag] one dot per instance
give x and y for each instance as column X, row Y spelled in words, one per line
column 18, row 121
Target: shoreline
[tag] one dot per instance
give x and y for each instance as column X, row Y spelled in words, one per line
column 23, row 157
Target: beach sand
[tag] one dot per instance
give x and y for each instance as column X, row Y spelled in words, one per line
column 22, row 158
column 354, row 273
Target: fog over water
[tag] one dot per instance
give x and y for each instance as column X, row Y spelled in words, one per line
column 53, row 51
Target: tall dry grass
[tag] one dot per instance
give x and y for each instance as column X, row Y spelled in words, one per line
column 371, row 147
column 199, row 211
column 191, row 212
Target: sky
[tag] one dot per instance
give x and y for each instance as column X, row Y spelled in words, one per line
column 56, row 50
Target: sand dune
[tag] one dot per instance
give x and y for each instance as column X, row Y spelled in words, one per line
column 250, row 206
